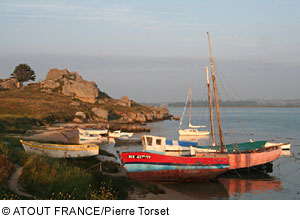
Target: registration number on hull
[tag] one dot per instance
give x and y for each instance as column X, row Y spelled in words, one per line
column 142, row 156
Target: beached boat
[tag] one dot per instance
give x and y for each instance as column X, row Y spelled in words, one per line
column 192, row 130
column 119, row 133
column 147, row 166
column 127, row 140
column 61, row 150
column 91, row 134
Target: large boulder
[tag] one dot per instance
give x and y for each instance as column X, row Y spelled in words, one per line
column 49, row 84
column 124, row 101
column 100, row 113
column 10, row 83
column 71, row 84
column 56, row 74
column 82, row 90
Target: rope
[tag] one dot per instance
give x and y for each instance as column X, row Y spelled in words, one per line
column 97, row 164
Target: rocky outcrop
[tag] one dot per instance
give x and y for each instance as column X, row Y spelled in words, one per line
column 82, row 90
column 49, row 84
column 71, row 84
column 100, row 114
column 124, row 101
column 10, row 83
column 56, row 74
column 143, row 116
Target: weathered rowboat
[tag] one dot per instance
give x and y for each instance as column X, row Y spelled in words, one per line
column 60, row 150
column 147, row 166
column 91, row 134
column 284, row 146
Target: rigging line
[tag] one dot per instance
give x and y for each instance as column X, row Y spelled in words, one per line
column 246, row 133
column 238, row 174
column 227, row 124
column 248, row 109
column 224, row 113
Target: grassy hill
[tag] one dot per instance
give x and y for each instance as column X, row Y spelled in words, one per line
column 20, row 108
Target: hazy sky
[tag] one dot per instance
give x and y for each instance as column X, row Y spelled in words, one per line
column 153, row 50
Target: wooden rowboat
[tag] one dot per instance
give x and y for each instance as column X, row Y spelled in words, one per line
column 157, row 167
column 61, row 150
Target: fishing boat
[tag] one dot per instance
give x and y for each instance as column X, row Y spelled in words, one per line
column 241, row 155
column 239, row 158
column 192, row 130
column 119, row 133
column 147, row 166
column 60, row 150
column 91, row 134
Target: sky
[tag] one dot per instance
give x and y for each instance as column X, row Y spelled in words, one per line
column 151, row 51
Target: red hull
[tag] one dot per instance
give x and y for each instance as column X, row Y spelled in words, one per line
column 155, row 167
column 204, row 158
column 177, row 175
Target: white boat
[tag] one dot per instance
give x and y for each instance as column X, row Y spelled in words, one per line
column 91, row 134
column 192, row 130
column 119, row 133
column 61, row 150
column 284, row 146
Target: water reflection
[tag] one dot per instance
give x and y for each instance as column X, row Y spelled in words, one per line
column 206, row 190
column 286, row 153
column 203, row 140
column 226, row 187
column 237, row 187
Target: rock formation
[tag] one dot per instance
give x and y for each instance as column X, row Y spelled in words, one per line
column 71, row 84
column 100, row 114
column 10, row 83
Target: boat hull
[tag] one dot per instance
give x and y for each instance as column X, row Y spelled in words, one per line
column 155, row 167
column 61, row 151
column 250, row 159
column 193, row 132
column 284, row 146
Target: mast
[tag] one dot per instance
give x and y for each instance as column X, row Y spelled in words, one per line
column 190, row 116
column 216, row 96
column 213, row 143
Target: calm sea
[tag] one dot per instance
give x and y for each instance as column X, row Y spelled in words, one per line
column 240, row 124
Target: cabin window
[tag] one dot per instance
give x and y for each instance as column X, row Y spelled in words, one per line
column 149, row 141
column 158, row 141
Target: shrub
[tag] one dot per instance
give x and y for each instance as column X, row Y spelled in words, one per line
column 46, row 177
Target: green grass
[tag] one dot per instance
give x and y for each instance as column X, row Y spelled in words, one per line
column 50, row 178
column 22, row 108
